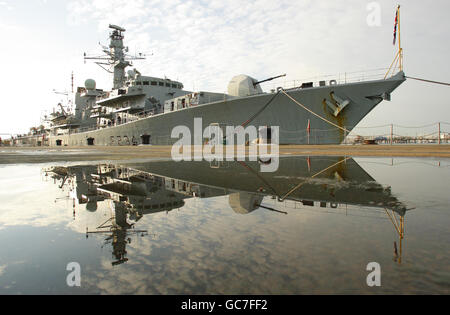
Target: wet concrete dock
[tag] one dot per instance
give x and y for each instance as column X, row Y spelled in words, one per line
column 13, row 155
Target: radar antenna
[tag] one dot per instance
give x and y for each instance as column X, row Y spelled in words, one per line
column 115, row 58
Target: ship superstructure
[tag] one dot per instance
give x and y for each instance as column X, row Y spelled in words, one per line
column 143, row 110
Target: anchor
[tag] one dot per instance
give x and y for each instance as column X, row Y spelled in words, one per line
column 337, row 104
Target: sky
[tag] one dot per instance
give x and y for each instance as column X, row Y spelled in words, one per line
column 204, row 44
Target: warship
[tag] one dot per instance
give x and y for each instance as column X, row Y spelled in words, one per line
column 324, row 184
column 144, row 110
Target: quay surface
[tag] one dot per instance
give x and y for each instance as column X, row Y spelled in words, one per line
column 14, row 155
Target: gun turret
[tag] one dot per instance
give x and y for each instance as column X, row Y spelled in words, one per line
column 270, row 79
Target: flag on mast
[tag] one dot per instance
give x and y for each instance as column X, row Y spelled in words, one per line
column 395, row 27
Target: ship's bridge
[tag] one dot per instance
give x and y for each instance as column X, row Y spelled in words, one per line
column 144, row 81
column 139, row 97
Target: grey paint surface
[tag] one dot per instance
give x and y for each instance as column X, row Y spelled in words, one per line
column 291, row 118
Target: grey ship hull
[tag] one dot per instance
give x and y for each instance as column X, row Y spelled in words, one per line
column 344, row 181
column 330, row 180
column 283, row 112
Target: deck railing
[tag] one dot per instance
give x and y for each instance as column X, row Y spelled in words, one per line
column 339, row 78
column 138, row 116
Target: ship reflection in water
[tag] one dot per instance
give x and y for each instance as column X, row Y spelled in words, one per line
column 162, row 227
column 137, row 190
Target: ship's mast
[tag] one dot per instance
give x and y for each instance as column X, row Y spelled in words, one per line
column 398, row 60
column 116, row 59
column 118, row 56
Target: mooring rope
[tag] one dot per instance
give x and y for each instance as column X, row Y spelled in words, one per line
column 259, row 177
column 253, row 116
column 312, row 177
column 295, row 101
column 260, row 111
column 310, row 111
column 429, row 81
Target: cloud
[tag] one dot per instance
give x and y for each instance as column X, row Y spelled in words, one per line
column 203, row 248
column 207, row 248
column 2, row 269
column 205, row 43
column 6, row 5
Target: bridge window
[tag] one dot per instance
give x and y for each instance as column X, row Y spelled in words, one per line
column 167, row 84
column 161, row 83
column 154, row 83
column 146, row 83
column 174, row 86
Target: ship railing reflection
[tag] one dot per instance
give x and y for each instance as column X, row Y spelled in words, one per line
column 397, row 220
column 400, row 227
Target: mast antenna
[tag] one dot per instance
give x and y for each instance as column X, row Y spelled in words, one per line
column 116, row 57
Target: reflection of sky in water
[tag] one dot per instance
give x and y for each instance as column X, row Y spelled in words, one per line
column 205, row 247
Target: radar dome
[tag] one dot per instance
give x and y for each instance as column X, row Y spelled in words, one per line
column 90, row 84
column 243, row 85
